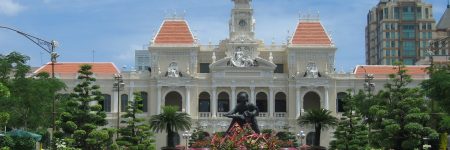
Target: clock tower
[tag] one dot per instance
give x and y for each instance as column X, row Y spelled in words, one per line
column 242, row 23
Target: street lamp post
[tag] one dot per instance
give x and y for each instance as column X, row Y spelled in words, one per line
column 368, row 85
column 301, row 135
column 49, row 47
column 187, row 135
column 118, row 85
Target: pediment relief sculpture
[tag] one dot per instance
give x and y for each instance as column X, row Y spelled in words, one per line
column 242, row 58
column 312, row 71
column 172, row 71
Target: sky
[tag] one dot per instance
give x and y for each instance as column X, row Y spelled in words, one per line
column 110, row 30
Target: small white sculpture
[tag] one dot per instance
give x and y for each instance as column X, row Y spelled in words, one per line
column 312, row 71
column 271, row 57
column 172, row 71
column 214, row 57
column 241, row 58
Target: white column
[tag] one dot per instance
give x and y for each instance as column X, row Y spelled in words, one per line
column 158, row 101
column 271, row 103
column 131, row 92
column 213, row 105
column 188, row 100
column 299, row 103
column 326, row 99
column 252, row 95
column 233, row 97
column 114, row 101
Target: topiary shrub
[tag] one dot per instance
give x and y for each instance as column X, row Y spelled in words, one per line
column 23, row 143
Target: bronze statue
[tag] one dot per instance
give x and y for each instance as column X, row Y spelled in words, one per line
column 244, row 113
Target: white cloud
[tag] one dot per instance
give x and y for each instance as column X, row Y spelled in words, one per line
column 10, row 7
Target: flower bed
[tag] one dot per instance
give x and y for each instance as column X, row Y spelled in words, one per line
column 244, row 138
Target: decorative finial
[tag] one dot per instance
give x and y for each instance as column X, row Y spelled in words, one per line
column 271, row 57
column 310, row 17
column 214, row 57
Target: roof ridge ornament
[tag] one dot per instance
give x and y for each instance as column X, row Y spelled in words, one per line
column 310, row 17
column 175, row 15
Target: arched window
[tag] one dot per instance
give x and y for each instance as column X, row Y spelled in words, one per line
column 340, row 101
column 223, row 102
column 311, row 100
column 106, row 103
column 123, row 102
column 144, row 101
column 261, row 101
column 204, row 102
column 280, row 102
column 174, row 99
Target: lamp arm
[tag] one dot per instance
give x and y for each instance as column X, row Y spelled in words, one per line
column 39, row 42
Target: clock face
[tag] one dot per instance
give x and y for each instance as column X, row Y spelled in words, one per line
column 242, row 23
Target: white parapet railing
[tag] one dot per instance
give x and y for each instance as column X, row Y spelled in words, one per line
column 204, row 115
column 220, row 114
column 280, row 115
column 263, row 114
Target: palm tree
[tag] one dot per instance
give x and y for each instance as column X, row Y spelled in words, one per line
column 170, row 121
column 320, row 118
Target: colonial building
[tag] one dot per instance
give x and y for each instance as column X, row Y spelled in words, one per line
column 203, row 80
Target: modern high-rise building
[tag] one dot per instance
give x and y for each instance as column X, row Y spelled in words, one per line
column 141, row 59
column 398, row 30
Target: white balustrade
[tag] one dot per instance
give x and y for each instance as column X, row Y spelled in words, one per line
column 204, row 114
column 263, row 114
column 280, row 115
column 220, row 114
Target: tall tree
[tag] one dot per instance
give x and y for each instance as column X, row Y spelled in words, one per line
column 170, row 121
column 81, row 119
column 30, row 100
column 320, row 119
column 351, row 133
column 437, row 88
column 137, row 134
column 400, row 114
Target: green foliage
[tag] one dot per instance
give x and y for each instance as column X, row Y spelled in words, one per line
column 30, row 98
column 287, row 138
column 400, row 118
column 4, row 91
column 137, row 134
column 6, row 141
column 170, row 121
column 200, row 139
column 4, row 118
column 20, row 143
column 79, row 122
column 25, row 143
column 320, row 119
column 351, row 133
column 438, row 86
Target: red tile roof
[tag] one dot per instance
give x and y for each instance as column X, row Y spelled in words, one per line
column 174, row 32
column 73, row 67
column 310, row 33
column 382, row 71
